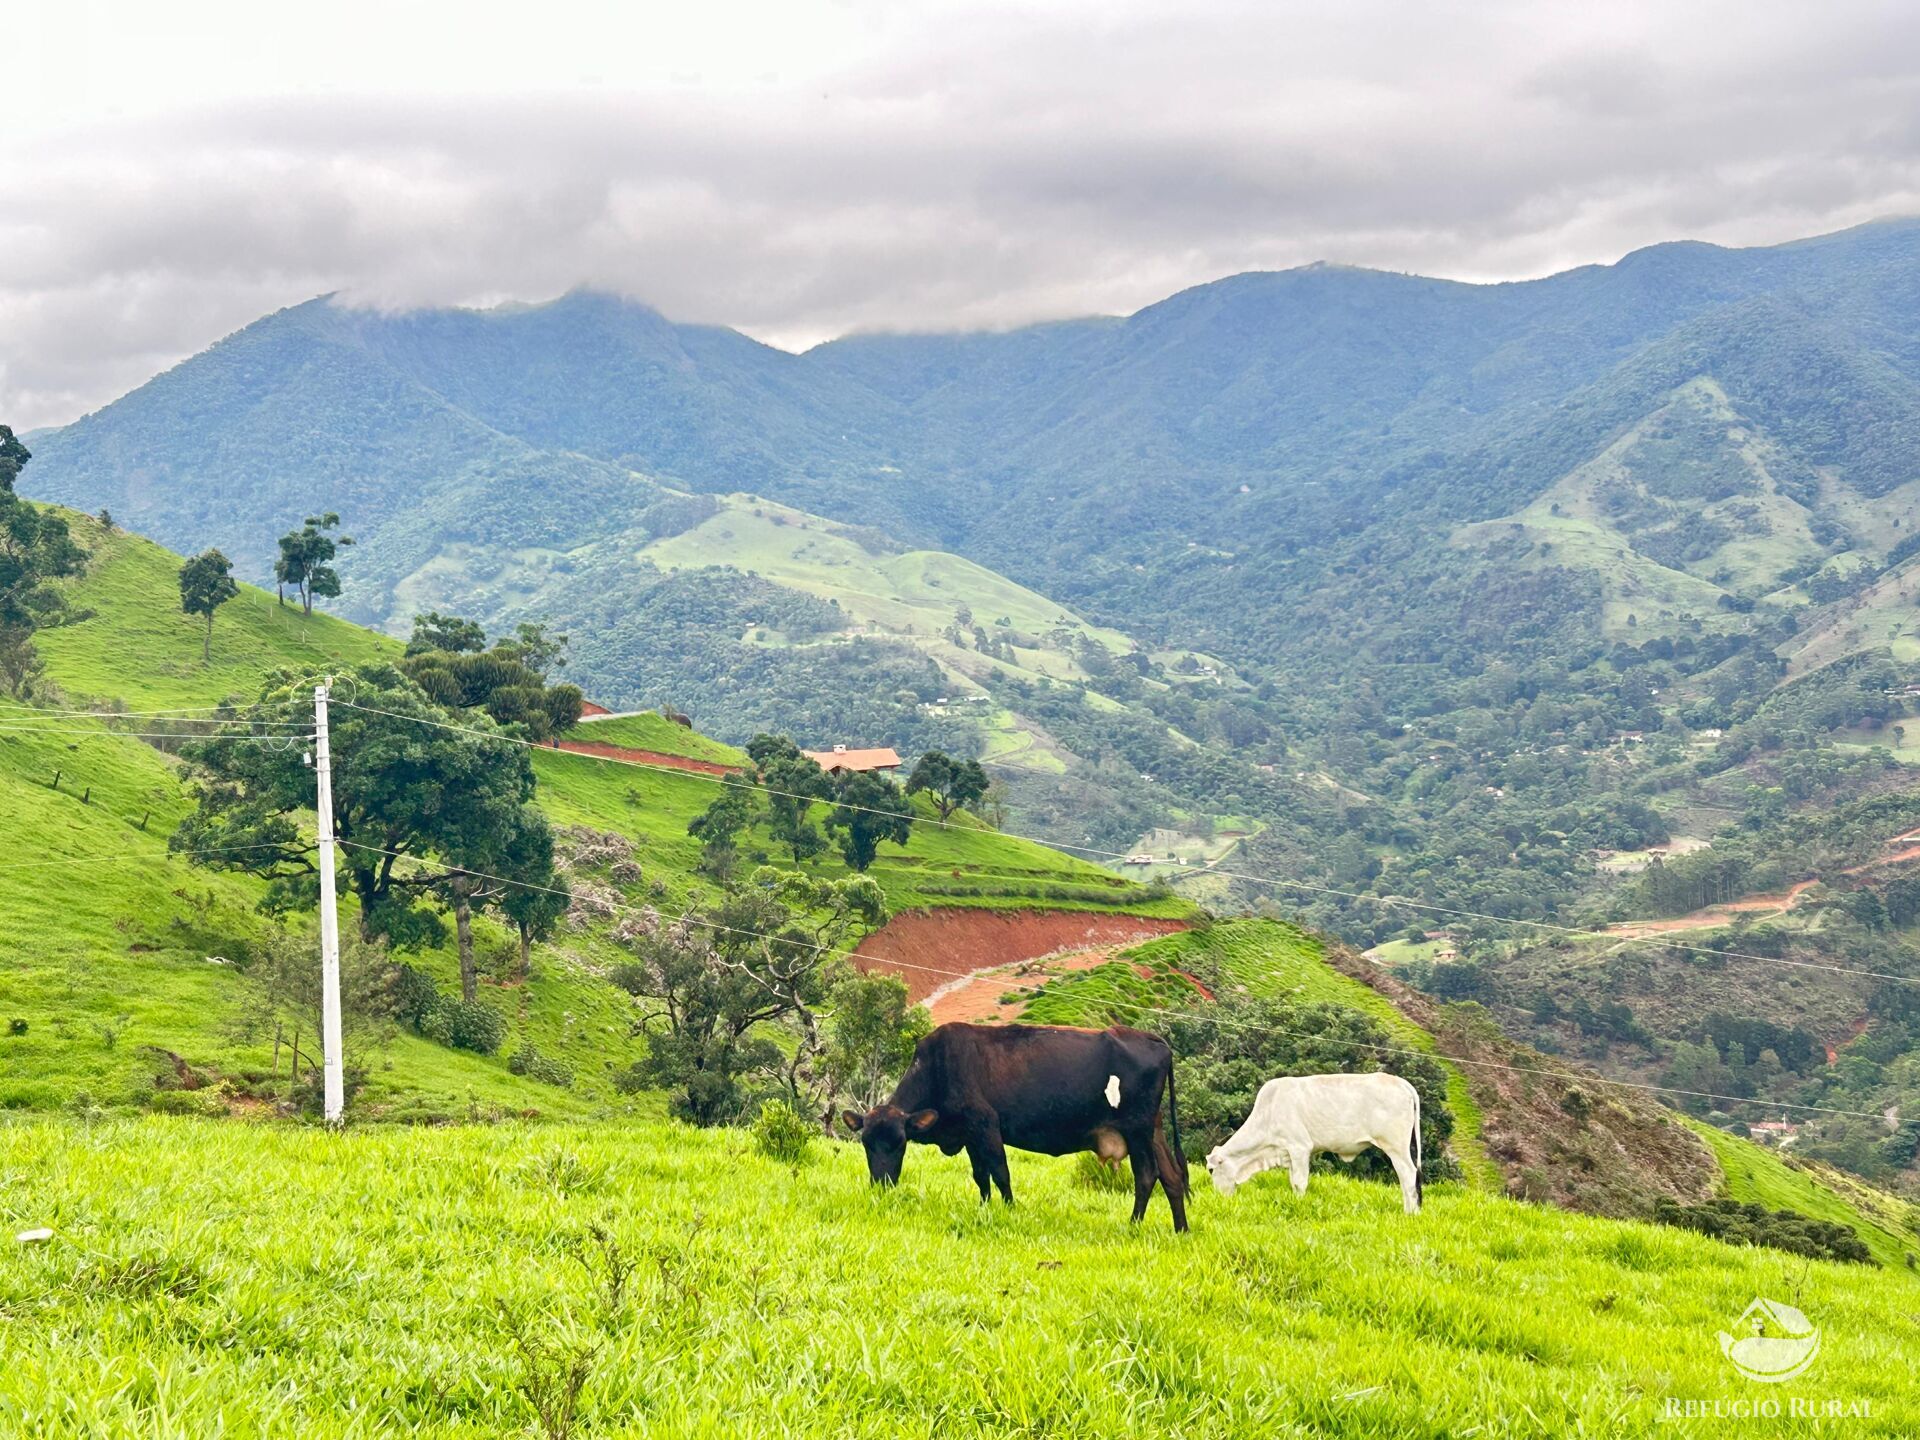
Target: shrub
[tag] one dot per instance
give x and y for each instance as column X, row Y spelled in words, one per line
column 187, row 1102
column 1789, row 1230
column 309, row 1096
column 414, row 996
column 465, row 1025
column 531, row 1063
column 16, row 1026
column 782, row 1132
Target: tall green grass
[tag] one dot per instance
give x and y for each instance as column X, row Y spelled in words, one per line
column 217, row 1279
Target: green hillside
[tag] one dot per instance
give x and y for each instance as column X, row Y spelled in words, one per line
column 141, row 652
column 121, row 955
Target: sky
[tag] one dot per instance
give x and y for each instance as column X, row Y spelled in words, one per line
column 800, row 169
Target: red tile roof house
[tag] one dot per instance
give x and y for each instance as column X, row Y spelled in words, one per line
column 840, row 760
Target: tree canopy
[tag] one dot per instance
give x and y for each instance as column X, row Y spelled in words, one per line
column 206, row 583
column 35, row 549
column 949, row 782
column 306, row 560
column 410, row 801
column 870, row 808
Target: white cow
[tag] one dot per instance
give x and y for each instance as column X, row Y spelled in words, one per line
column 1298, row 1115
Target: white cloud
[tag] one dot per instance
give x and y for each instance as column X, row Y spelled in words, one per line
column 800, row 170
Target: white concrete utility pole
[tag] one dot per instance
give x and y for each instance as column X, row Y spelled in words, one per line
column 336, row 1098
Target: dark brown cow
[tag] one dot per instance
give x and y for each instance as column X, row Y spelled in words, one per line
column 1045, row 1088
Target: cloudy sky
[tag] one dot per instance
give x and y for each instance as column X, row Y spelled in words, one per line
column 800, row 169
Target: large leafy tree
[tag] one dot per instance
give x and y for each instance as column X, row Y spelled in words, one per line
column 411, row 801
column 306, row 560
column 718, row 829
column 725, row 980
column 497, row 870
column 35, row 549
column 793, row 782
column 871, row 808
column 206, row 583
column 949, row 782
column 449, row 659
column 872, row 1029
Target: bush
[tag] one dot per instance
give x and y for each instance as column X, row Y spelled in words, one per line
column 782, row 1132
column 415, row 996
column 531, row 1063
column 465, row 1025
column 187, row 1102
column 16, row 1026
column 1789, row 1230
column 309, row 1096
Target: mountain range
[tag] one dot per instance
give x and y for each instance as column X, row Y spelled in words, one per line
column 1431, row 612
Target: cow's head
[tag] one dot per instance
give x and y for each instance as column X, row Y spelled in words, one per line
column 885, row 1130
column 1228, row 1169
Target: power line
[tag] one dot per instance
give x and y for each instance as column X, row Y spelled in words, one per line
column 54, row 711
column 7, row 731
column 1299, row 885
column 171, row 854
column 1141, row 1007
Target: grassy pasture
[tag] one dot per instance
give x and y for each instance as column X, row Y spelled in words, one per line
column 208, row 1279
column 140, row 648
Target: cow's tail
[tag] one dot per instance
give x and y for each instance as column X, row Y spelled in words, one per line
column 1173, row 1118
column 1419, row 1195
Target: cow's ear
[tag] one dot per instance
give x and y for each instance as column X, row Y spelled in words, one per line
column 922, row 1121
column 853, row 1120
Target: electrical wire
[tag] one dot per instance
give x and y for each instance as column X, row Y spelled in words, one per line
column 297, row 848
column 1139, row 1007
column 1298, row 885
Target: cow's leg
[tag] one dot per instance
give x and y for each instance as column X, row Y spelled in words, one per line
column 1403, row 1166
column 1172, row 1180
column 982, row 1168
column 996, row 1152
column 1299, row 1162
column 1145, row 1172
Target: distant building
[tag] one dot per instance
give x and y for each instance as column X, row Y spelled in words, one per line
column 1138, row 860
column 842, row 761
column 1779, row 1132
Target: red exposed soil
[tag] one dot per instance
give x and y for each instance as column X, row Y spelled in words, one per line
column 979, row 997
column 649, row 757
column 931, row 948
column 1713, row 915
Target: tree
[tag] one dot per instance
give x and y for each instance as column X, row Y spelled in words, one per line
column 410, row 800
column 793, row 782
column 871, row 1033
column 951, row 783
column 724, row 978
column 534, row 648
column 448, row 633
column 285, row 1006
column 718, row 828
column 446, row 659
column 492, row 868
column 206, row 583
column 306, row 560
column 871, row 808
column 35, row 549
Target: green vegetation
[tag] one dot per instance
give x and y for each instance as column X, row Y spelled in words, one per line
column 138, row 956
column 709, row 1288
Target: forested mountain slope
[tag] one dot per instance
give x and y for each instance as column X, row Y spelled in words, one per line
column 1435, row 611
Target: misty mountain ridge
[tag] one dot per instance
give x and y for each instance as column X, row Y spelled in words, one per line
column 1270, row 467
